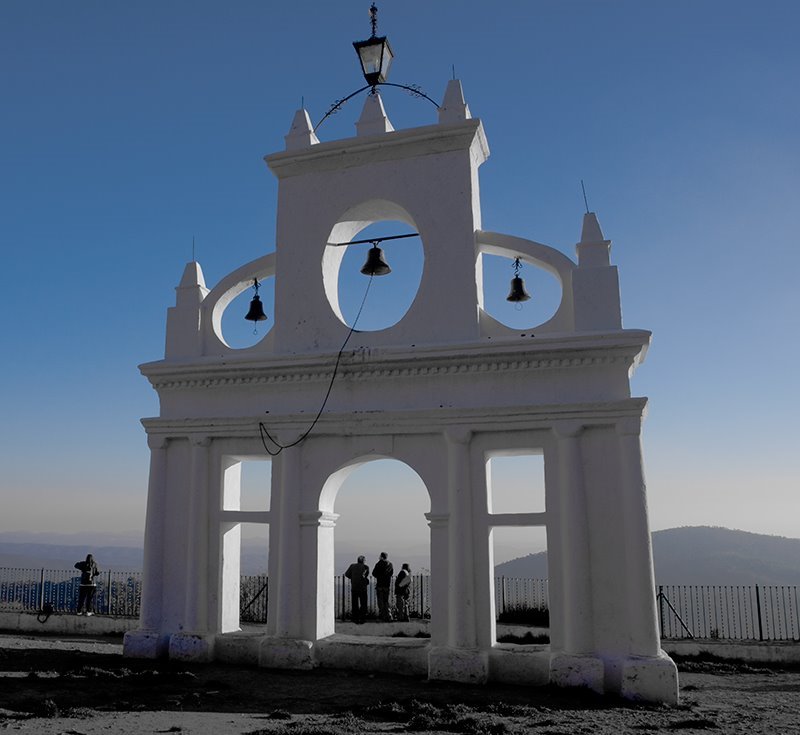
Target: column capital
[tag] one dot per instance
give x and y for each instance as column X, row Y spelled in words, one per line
column 568, row 429
column 438, row 520
column 157, row 441
column 458, row 435
column 630, row 426
column 319, row 518
column 199, row 440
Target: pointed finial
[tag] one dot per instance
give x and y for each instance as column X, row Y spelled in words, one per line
column 373, row 19
column 585, row 201
column 454, row 108
column 373, row 120
column 454, row 71
column 301, row 133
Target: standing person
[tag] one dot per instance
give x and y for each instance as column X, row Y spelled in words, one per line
column 358, row 574
column 402, row 592
column 383, row 573
column 88, row 586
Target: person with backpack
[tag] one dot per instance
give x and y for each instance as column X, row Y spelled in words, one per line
column 88, row 585
column 402, row 592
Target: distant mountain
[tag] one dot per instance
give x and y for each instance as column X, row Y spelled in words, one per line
column 701, row 555
column 687, row 555
column 61, row 556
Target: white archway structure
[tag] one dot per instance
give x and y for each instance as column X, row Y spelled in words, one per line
column 443, row 390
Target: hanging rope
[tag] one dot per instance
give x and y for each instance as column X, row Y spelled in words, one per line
column 262, row 429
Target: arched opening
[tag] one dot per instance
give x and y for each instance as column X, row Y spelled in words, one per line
column 391, row 295
column 516, row 485
column 237, row 331
column 381, row 506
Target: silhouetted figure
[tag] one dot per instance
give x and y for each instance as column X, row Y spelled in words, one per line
column 88, row 586
column 402, row 592
column 383, row 573
column 358, row 574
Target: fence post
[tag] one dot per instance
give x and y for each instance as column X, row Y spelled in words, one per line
column 108, row 594
column 503, row 593
column 660, row 598
column 758, row 610
column 41, row 590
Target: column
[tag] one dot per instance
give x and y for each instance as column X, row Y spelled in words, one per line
column 440, row 588
column 642, row 615
column 148, row 641
column 195, row 616
column 316, row 576
column 461, row 659
column 286, row 591
column 461, row 632
column 573, row 542
column 155, row 521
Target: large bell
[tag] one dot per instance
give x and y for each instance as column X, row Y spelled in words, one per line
column 256, row 313
column 518, row 292
column 375, row 265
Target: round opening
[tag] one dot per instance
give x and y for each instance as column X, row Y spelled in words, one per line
column 390, row 296
column 237, row 331
column 544, row 289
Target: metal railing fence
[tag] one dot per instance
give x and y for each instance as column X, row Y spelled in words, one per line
column 739, row 612
column 29, row 590
column 733, row 612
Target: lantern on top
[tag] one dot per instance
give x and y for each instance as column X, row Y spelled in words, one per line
column 375, row 54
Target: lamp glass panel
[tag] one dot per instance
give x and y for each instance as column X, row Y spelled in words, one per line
column 371, row 58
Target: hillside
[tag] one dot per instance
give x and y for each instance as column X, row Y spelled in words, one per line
column 702, row 555
column 688, row 555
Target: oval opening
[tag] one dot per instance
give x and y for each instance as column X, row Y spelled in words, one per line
column 237, row 331
column 390, row 296
column 544, row 289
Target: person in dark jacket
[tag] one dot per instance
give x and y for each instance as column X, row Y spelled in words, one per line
column 358, row 574
column 383, row 573
column 88, row 586
column 402, row 592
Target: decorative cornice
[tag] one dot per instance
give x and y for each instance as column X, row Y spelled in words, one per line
column 429, row 421
column 379, row 364
column 350, row 152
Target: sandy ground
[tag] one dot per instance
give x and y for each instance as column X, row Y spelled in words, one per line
column 82, row 686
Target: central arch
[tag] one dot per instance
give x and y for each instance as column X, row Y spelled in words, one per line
column 356, row 495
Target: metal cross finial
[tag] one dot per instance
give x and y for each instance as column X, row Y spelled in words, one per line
column 373, row 19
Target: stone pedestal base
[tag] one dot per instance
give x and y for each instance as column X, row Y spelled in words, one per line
column 569, row 670
column 197, row 647
column 650, row 679
column 286, row 653
column 465, row 665
column 145, row 644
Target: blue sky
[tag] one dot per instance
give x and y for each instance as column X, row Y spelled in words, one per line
column 128, row 129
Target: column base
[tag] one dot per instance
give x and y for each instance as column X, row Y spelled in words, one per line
column 197, row 647
column 571, row 670
column 465, row 665
column 286, row 653
column 145, row 644
column 650, row 679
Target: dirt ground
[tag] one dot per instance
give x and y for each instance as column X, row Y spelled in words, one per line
column 65, row 686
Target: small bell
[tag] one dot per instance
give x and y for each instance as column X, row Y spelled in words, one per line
column 375, row 264
column 518, row 292
column 256, row 313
